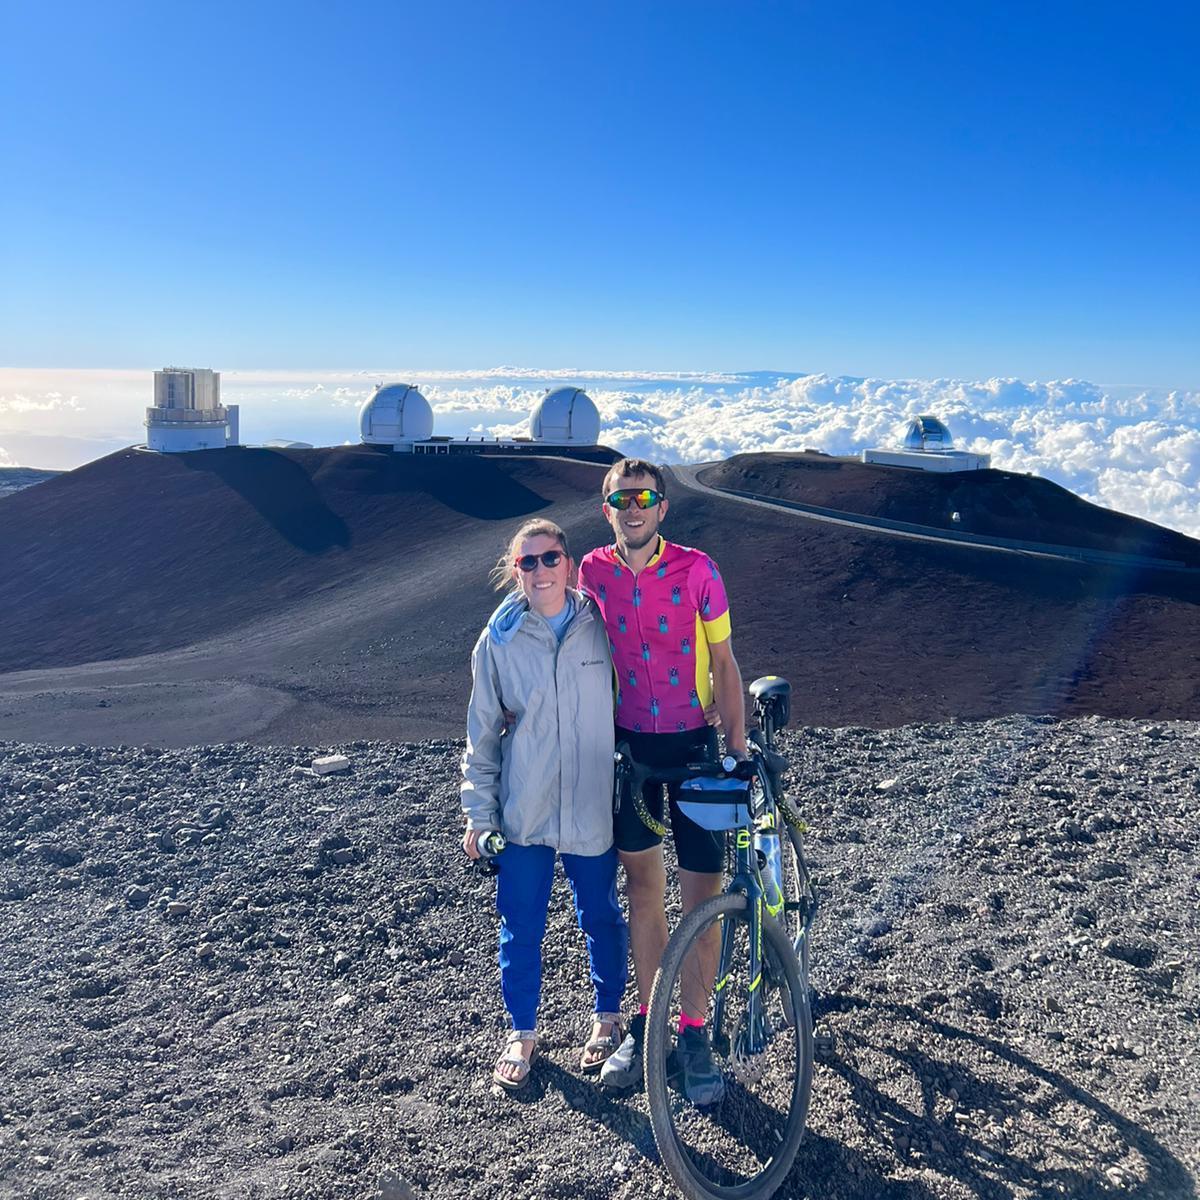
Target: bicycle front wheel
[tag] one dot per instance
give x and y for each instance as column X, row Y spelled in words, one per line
column 742, row 1147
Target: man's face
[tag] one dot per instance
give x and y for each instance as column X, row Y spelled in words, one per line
column 634, row 527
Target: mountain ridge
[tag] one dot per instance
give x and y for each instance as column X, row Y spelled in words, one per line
column 317, row 595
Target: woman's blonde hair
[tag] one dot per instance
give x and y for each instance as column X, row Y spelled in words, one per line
column 501, row 573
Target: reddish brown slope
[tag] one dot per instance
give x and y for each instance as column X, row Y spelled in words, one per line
column 139, row 553
column 879, row 630
column 354, row 586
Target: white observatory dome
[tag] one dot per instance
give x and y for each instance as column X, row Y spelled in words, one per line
column 929, row 434
column 565, row 416
column 397, row 414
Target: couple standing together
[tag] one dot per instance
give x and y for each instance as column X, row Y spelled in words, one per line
column 643, row 644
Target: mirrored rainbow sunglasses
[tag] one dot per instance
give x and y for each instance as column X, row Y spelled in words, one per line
column 642, row 497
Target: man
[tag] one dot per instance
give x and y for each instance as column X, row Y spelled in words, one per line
column 667, row 617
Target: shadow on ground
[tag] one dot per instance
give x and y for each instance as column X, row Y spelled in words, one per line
column 978, row 1111
column 281, row 492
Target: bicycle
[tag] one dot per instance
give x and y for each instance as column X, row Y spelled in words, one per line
column 743, row 1146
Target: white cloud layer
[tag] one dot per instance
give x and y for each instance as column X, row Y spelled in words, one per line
column 46, row 402
column 1136, row 451
column 1129, row 449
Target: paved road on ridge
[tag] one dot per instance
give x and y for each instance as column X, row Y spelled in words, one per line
column 688, row 477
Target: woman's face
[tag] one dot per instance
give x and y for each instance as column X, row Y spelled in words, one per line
column 545, row 587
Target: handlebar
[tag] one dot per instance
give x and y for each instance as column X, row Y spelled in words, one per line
column 639, row 774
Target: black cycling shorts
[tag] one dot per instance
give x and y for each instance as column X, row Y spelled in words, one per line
column 696, row 848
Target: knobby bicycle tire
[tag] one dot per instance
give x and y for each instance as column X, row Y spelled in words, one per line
column 701, row 1175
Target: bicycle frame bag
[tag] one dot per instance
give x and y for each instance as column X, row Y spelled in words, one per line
column 715, row 804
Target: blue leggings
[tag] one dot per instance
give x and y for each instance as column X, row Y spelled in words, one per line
column 523, row 884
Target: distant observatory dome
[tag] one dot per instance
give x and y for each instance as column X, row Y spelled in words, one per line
column 929, row 434
column 565, row 416
column 927, row 446
column 396, row 415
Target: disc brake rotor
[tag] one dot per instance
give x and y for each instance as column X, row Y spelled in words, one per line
column 746, row 1068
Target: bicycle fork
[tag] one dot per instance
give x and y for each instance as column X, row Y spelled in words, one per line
column 753, row 1038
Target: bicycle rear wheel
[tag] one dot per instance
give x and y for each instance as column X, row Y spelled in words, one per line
column 797, row 888
column 743, row 1147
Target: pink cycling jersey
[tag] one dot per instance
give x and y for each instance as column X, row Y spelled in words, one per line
column 660, row 624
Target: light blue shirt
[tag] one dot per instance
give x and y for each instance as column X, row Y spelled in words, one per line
column 560, row 622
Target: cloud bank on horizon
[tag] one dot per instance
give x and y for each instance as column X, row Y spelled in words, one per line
column 1139, row 454
column 1136, row 450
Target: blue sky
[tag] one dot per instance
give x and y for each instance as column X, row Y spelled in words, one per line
column 904, row 191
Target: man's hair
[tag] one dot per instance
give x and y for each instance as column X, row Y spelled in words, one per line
column 634, row 466
column 502, row 573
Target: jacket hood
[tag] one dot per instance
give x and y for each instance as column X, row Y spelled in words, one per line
column 506, row 620
column 503, row 624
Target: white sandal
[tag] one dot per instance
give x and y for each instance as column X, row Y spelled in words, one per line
column 511, row 1056
column 605, row 1044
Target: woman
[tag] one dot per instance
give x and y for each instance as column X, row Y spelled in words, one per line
column 544, row 780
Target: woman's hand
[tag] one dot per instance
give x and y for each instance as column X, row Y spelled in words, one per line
column 712, row 716
column 470, row 843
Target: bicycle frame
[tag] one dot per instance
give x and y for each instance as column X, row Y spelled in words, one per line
column 806, row 898
column 759, row 1022
column 747, row 879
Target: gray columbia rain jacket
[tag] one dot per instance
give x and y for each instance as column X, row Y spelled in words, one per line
column 548, row 780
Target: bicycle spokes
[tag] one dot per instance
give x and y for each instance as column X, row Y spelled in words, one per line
column 761, row 1042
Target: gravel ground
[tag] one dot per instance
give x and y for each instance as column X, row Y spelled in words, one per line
column 223, row 976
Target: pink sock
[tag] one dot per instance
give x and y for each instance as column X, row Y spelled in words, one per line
column 686, row 1022
column 642, row 1010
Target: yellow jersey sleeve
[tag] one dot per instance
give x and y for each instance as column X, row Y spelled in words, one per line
column 718, row 629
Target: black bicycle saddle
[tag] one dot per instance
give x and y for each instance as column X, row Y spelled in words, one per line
column 774, row 691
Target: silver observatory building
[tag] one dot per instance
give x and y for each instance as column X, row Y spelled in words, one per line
column 187, row 413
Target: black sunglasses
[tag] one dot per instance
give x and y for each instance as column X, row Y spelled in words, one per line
column 529, row 562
